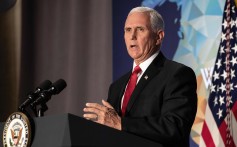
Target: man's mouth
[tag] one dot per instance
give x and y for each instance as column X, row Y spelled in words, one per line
column 133, row 46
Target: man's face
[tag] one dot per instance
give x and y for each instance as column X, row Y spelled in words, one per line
column 140, row 40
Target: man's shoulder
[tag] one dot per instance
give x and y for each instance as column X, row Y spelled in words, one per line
column 174, row 65
column 172, row 68
column 122, row 79
column 162, row 61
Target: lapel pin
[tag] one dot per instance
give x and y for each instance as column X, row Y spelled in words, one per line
column 146, row 77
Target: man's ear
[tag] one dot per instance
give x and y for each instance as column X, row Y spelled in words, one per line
column 160, row 36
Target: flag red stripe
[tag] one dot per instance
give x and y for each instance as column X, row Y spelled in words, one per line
column 222, row 130
column 207, row 136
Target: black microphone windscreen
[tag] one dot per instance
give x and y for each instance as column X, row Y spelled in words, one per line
column 45, row 85
column 59, row 85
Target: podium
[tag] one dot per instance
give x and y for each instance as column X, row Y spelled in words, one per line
column 68, row 130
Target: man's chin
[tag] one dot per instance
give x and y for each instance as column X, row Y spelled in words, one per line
column 134, row 54
column 134, row 57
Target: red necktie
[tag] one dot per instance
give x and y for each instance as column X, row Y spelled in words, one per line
column 130, row 87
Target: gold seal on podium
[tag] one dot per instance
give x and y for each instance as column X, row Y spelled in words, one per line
column 17, row 131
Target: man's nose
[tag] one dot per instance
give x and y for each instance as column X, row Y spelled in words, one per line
column 134, row 35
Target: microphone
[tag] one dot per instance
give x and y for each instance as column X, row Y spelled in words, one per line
column 54, row 89
column 33, row 95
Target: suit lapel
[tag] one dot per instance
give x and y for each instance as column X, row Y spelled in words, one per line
column 152, row 70
column 122, row 90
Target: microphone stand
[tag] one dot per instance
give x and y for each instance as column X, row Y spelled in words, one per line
column 39, row 106
column 41, row 109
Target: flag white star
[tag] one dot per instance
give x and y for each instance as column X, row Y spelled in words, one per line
column 215, row 101
column 234, row 48
column 223, row 37
column 231, row 86
column 225, row 24
column 224, row 75
column 221, row 100
column 213, row 88
column 222, row 50
column 231, row 35
column 233, row 9
column 216, row 75
column 219, row 113
column 232, row 73
column 232, row 22
column 218, row 63
column 233, row 60
column 222, row 88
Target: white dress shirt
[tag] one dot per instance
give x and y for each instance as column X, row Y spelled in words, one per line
column 144, row 65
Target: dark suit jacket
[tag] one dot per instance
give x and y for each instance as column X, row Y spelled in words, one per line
column 163, row 106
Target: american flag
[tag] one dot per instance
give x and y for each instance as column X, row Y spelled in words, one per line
column 220, row 125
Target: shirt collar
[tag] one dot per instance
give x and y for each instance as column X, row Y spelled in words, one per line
column 144, row 65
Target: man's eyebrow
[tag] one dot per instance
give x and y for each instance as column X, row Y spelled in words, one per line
column 126, row 28
column 140, row 27
column 135, row 27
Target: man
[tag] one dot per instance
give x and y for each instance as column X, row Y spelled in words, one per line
column 162, row 105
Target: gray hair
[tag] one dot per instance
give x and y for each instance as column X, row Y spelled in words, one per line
column 156, row 20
